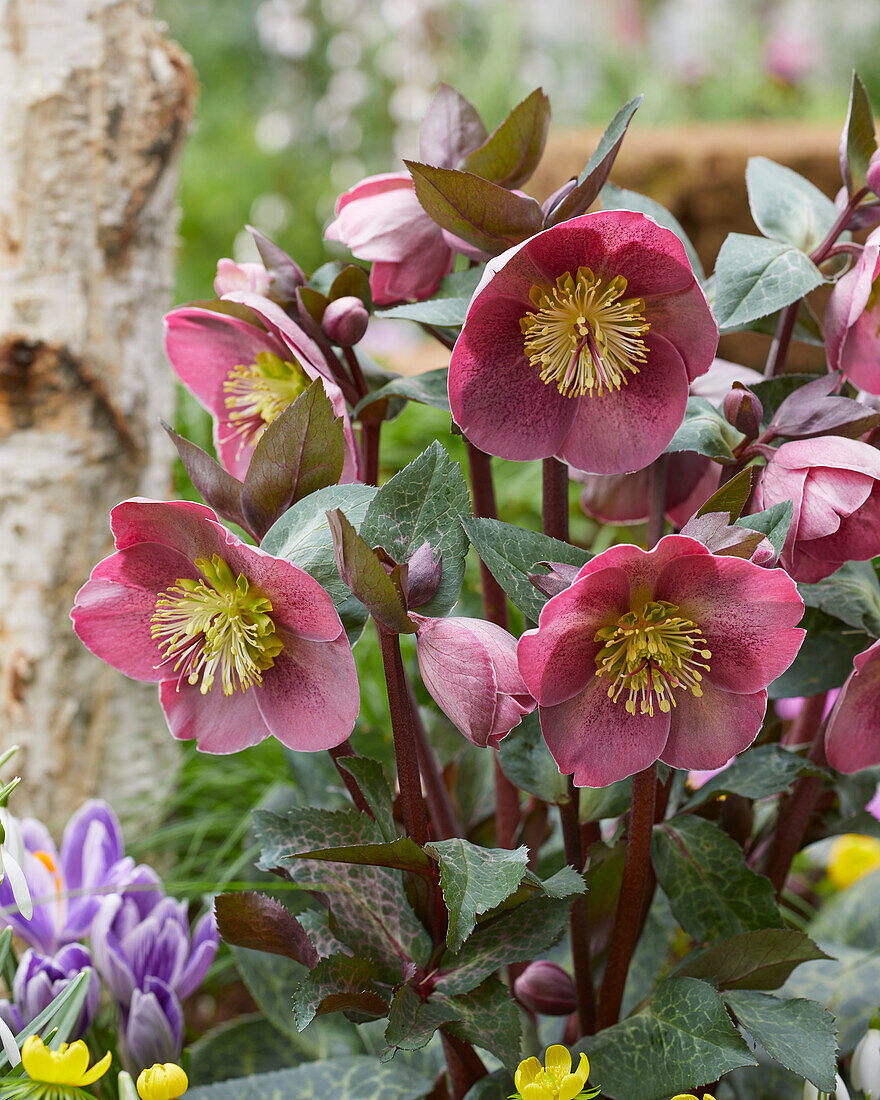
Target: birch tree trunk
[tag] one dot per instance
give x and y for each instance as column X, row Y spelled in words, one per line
column 94, row 106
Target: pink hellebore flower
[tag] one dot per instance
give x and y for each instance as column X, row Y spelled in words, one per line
column 469, row 666
column 852, row 320
column 852, row 736
column 380, row 219
column 661, row 654
column 245, row 276
column 581, row 343
column 834, row 485
column 242, row 644
column 247, row 376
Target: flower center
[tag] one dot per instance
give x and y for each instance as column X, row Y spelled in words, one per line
column 256, row 394
column 585, row 336
column 219, row 623
column 652, row 653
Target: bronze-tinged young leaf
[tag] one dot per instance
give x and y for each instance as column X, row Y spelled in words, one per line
column 261, row 923
column 683, row 1040
column 858, row 141
column 402, row 854
column 450, row 129
column 485, row 215
column 356, row 1078
column 731, row 497
column 352, row 282
column 511, row 153
column 341, row 982
column 712, row 891
column 814, row 410
column 716, row 532
column 367, row 577
column 773, row 523
column 219, row 489
column 300, row 452
column 751, row 960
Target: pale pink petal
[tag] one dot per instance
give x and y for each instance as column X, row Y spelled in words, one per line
column 412, row 277
column 705, row 732
column 628, row 428
column 828, row 496
column 860, row 360
column 220, row 723
column 848, row 300
column 852, row 737
column 385, row 222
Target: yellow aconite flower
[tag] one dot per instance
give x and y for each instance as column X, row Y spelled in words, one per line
column 554, row 1080
column 690, row 1096
column 852, row 857
column 68, row 1065
column 162, row 1082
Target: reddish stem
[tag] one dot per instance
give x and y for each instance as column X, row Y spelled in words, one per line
column 463, row 1063
column 580, row 931
column 370, row 433
column 554, row 506
column 444, row 822
column 340, row 752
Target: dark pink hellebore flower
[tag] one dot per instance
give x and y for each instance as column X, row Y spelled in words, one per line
column 834, row 485
column 852, row 320
column 852, row 736
column 581, row 343
column 469, row 666
column 380, row 219
column 662, row 654
column 246, row 376
column 242, row 645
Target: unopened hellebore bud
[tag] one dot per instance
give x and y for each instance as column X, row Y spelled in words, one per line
column 743, row 410
column 546, row 988
column 345, row 321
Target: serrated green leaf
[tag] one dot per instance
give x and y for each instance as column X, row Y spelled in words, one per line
column 242, row 1047
column 705, row 431
column 337, row 983
column 712, row 891
column 488, row 1017
column 851, row 594
column 772, row 522
column 370, row 777
column 824, row 660
column 798, row 1033
column 359, row 1078
column 755, row 276
column 425, row 502
column 763, row 959
column 618, row 198
column 683, row 1040
column 403, row 854
column 511, row 553
column 852, row 917
column 785, row 206
column 527, row 762
column 858, row 141
column 475, row 880
column 429, row 388
column 846, row 985
column 757, row 773
column 445, row 312
column 731, row 498
column 510, row 154
column 413, row 1021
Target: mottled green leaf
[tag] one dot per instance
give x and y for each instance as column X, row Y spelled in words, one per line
column 683, row 1040
column 475, row 880
column 242, row 1047
column 846, row 985
column 402, row 853
column 511, row 152
column 262, row 923
column 359, row 1078
column 271, row 980
column 751, row 960
column 618, row 198
column 337, row 983
column 852, row 917
column 712, row 891
column 374, row 787
column 757, row 773
column 511, row 553
column 429, row 388
column 413, row 1021
column 787, row 207
column 596, row 803
column 798, row 1033
column 858, row 141
column 488, row 1017
column 851, row 594
column 445, row 312
column 494, row 1086
column 705, row 431
column 425, row 502
column 526, row 760
column 755, row 276
column 824, row 660
column 772, row 522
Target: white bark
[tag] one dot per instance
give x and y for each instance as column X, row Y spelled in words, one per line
column 94, row 105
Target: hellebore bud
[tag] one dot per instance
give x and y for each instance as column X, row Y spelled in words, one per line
column 345, row 321
column 865, row 1068
column 546, row 988
column 743, row 410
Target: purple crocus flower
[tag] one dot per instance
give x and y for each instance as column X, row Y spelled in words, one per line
column 68, row 888
column 152, row 1027
column 40, row 978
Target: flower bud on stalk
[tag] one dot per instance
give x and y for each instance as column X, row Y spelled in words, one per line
column 345, row 321
column 546, row 988
column 744, row 411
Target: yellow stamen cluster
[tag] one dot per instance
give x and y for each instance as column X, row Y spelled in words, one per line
column 651, row 653
column 554, row 1080
column 257, row 393
column 219, row 624
column 585, row 336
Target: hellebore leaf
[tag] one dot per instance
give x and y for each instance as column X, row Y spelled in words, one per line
column 429, row 388
column 261, row 923
column 510, row 553
column 846, row 985
column 526, row 761
column 270, row 979
column 475, row 880
column 245, row 1046
column 755, row 276
column 450, row 129
column 374, row 787
column 683, row 1039
column 785, row 206
column 494, row 1086
column 403, row 854
column 824, row 660
column 851, row 594
column 752, row 960
column 597, row 169
column 511, row 152
column 340, row 982
column 352, row 282
column 731, row 498
column 219, row 489
column 424, row 502
column 799, row 1034
column 488, row 1017
column 772, row 392
column 813, row 410
column 715, row 531
column 355, row 1078
column 300, row 452
column 485, row 215
column 367, row 577
column 618, row 198
column 445, row 312
column 413, row 1021
column 759, row 772
column 858, row 141
column 705, row 431
column 852, row 917
column 712, row 891
column 773, row 523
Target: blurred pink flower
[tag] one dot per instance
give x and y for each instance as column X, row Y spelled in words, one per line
column 380, row 219
column 661, row 654
column 581, row 343
column 852, row 320
column 834, row 485
column 243, row 645
column 852, row 736
column 248, row 276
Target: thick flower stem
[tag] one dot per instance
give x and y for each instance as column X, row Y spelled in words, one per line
column 370, row 431
column 580, row 933
column 627, row 921
column 444, row 823
column 795, row 814
column 415, row 819
column 554, row 507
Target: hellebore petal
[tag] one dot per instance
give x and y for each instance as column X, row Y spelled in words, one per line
column 852, row 320
column 852, row 735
